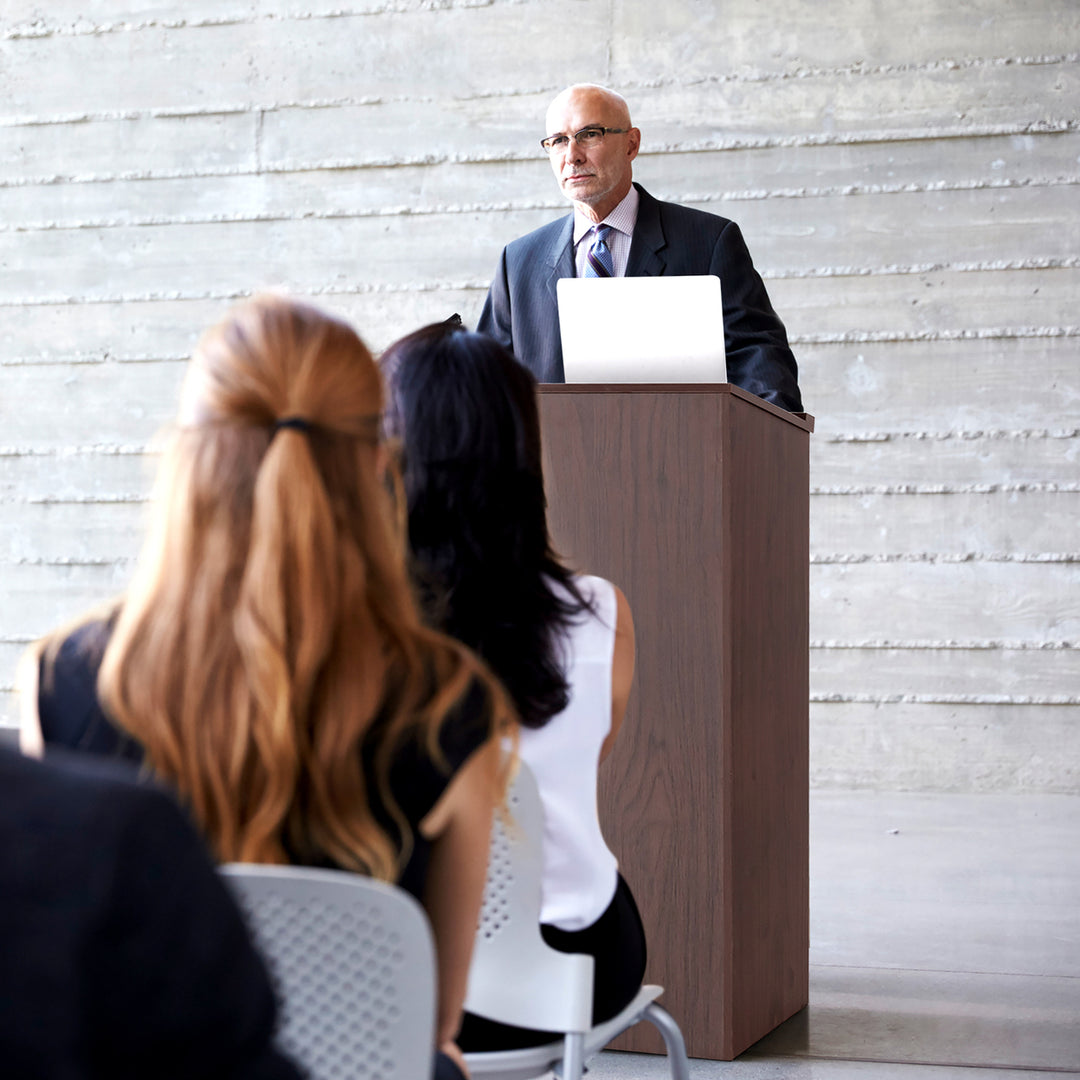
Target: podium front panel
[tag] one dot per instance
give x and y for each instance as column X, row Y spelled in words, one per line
column 694, row 501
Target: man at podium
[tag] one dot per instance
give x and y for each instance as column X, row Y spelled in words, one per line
column 618, row 229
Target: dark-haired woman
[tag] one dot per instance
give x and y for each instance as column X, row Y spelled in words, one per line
column 562, row 644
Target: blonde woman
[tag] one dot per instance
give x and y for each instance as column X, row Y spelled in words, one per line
column 268, row 661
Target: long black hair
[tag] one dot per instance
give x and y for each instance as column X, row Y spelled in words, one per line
column 466, row 414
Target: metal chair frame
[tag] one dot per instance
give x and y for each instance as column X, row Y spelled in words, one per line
column 517, row 978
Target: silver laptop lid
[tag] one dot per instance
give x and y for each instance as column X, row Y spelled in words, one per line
column 642, row 329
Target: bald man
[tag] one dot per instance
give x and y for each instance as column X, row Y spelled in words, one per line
column 591, row 144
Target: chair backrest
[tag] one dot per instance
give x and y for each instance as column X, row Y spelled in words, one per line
column 353, row 964
column 516, row 977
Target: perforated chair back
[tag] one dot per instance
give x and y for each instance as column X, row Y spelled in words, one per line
column 516, row 977
column 353, row 965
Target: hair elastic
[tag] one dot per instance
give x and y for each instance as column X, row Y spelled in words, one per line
column 297, row 423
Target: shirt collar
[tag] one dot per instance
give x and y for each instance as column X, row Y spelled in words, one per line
column 623, row 217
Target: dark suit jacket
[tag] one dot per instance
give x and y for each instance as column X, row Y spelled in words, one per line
column 121, row 953
column 521, row 310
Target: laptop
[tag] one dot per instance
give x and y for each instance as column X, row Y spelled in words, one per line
column 642, row 329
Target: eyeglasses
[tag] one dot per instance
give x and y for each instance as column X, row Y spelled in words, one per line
column 586, row 137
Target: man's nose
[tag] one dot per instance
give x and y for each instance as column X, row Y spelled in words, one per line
column 574, row 151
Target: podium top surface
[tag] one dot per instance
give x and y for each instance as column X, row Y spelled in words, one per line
column 801, row 420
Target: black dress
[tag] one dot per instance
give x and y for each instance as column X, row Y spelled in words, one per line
column 72, row 717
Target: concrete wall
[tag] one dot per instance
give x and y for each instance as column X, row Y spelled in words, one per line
column 906, row 176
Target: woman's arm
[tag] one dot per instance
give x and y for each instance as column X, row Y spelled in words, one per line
column 459, row 827
column 622, row 669
column 31, row 742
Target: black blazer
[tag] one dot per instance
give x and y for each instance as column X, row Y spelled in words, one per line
column 521, row 310
column 121, row 953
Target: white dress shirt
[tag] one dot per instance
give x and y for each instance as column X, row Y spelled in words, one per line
column 622, row 220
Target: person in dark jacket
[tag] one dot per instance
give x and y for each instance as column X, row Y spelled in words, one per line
column 123, row 954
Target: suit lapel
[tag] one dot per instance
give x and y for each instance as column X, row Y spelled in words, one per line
column 559, row 256
column 553, row 263
column 645, row 258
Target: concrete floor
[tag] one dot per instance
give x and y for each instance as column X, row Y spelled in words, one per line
column 944, row 945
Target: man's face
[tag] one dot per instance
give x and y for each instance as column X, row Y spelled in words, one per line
column 597, row 178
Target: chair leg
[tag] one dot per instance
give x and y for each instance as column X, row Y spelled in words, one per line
column 673, row 1041
column 573, row 1062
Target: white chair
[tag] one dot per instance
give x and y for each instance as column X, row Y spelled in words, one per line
column 353, row 963
column 517, row 978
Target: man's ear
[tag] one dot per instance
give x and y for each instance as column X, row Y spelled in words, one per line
column 633, row 143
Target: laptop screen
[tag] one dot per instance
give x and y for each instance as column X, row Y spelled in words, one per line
column 642, row 329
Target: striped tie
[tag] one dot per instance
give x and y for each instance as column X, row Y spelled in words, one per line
column 598, row 260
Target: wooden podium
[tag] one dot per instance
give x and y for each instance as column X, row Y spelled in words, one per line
column 695, row 500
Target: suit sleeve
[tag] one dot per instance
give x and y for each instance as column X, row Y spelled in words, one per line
column 175, row 988
column 758, row 356
column 495, row 318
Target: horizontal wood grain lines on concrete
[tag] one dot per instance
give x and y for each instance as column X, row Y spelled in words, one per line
column 162, row 261
column 62, row 405
column 788, row 34
column 226, row 64
column 931, row 30
column 720, row 177
column 71, row 534
column 850, row 603
column 107, row 493
column 954, row 525
column 942, row 386
column 928, row 305
column 39, row 597
column 1002, row 228
column 856, row 338
column 352, row 127
column 99, row 526
column 976, row 228
column 904, row 102
column 993, row 674
column 131, row 330
column 10, row 651
column 925, row 462
column 948, row 747
column 673, row 118
column 982, row 697
column 988, row 463
column 945, row 600
column 69, row 17
column 77, row 474
column 838, row 168
column 505, row 132
column 957, row 317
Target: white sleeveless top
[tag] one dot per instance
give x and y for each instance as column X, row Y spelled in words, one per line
column 579, row 869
